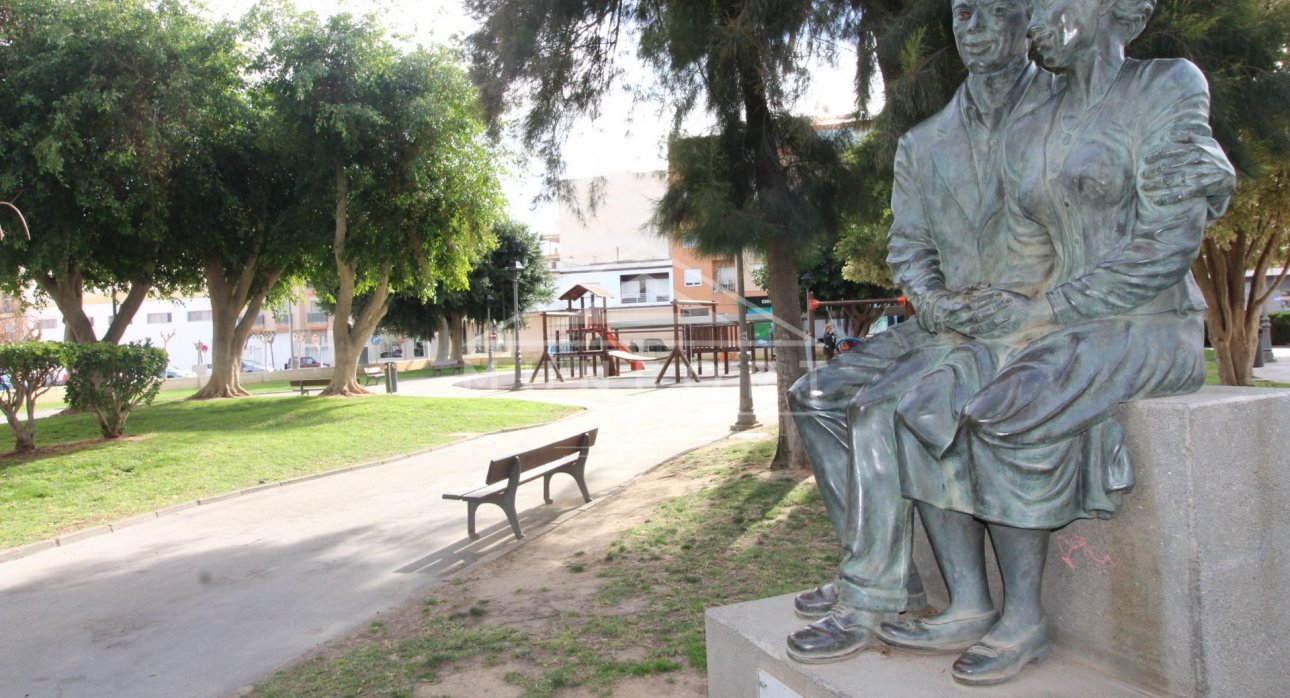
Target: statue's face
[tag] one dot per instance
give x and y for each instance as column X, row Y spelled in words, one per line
column 991, row 34
column 1061, row 29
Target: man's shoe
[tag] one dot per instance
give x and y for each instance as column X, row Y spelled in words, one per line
column 987, row 663
column 935, row 634
column 828, row 640
column 816, row 602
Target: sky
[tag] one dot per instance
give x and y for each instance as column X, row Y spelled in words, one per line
column 627, row 137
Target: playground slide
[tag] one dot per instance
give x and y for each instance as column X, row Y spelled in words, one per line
column 615, row 344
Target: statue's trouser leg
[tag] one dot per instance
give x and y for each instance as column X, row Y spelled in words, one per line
column 877, row 573
column 819, row 400
column 959, row 543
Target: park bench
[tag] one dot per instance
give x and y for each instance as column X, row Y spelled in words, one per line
column 451, row 368
column 372, row 375
column 505, row 475
column 306, row 383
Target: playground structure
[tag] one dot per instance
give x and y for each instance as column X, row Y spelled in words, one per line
column 582, row 338
column 578, row 341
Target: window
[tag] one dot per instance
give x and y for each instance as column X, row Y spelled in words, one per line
column 725, row 281
column 694, row 312
column 158, row 318
column 693, row 277
column 47, row 323
column 316, row 314
column 689, row 243
column 199, row 316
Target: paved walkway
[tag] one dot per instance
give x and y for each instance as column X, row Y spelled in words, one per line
column 205, row 601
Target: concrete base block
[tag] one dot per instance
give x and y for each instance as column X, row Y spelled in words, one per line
column 1186, row 592
column 748, row 638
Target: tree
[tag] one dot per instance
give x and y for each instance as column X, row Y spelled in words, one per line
column 27, row 371
column 742, row 62
column 111, row 380
column 1241, row 45
column 241, row 216
column 392, row 142
column 1252, row 236
column 101, row 99
column 493, row 277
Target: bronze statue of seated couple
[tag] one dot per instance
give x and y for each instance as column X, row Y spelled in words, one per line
column 1045, row 223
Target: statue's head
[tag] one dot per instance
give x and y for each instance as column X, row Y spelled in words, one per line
column 991, row 34
column 1063, row 29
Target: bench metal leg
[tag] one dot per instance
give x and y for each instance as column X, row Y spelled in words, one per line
column 470, row 519
column 546, row 487
column 508, row 505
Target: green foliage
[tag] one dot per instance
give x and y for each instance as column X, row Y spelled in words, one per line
column 1280, row 328
column 112, row 380
column 28, row 370
column 492, row 276
column 101, row 100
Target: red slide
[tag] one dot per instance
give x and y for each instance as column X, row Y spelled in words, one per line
column 611, row 338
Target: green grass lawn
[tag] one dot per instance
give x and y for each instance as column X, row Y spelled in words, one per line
column 178, row 450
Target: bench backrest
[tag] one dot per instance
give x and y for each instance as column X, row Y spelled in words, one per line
column 575, row 446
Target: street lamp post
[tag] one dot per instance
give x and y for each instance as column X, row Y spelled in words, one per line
column 518, row 384
column 488, row 301
column 747, row 419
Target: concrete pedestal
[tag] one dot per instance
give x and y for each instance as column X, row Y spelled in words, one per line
column 1186, row 592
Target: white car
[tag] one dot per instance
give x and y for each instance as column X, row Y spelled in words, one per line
column 172, row 372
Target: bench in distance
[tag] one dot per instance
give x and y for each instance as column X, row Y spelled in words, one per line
column 306, row 383
column 505, row 475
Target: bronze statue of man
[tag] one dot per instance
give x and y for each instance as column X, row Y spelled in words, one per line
column 948, row 245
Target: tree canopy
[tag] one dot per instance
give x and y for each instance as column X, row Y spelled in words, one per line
column 100, row 102
column 390, row 142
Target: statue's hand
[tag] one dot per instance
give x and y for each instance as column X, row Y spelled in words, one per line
column 1185, row 169
column 996, row 313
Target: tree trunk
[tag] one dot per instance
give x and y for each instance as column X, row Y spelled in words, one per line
column 245, row 296
column 443, row 347
column 67, row 292
column 762, row 147
column 350, row 333
column 457, row 325
column 790, row 355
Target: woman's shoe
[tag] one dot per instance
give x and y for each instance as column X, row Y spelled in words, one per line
column 936, row 634
column 987, row 663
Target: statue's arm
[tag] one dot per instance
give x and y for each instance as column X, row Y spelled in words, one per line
column 912, row 255
column 1166, row 236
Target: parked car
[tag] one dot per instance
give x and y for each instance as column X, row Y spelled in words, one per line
column 653, row 344
column 174, row 372
column 396, row 354
column 304, row 362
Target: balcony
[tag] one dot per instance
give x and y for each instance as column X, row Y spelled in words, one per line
column 646, row 298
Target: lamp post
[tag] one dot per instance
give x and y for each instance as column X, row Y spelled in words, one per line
column 747, row 419
column 518, row 384
column 488, row 305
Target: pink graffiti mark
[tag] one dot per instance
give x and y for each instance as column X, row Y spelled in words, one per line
column 1071, row 544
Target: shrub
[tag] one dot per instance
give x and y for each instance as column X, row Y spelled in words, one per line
column 29, row 370
column 1280, row 328
column 110, row 380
